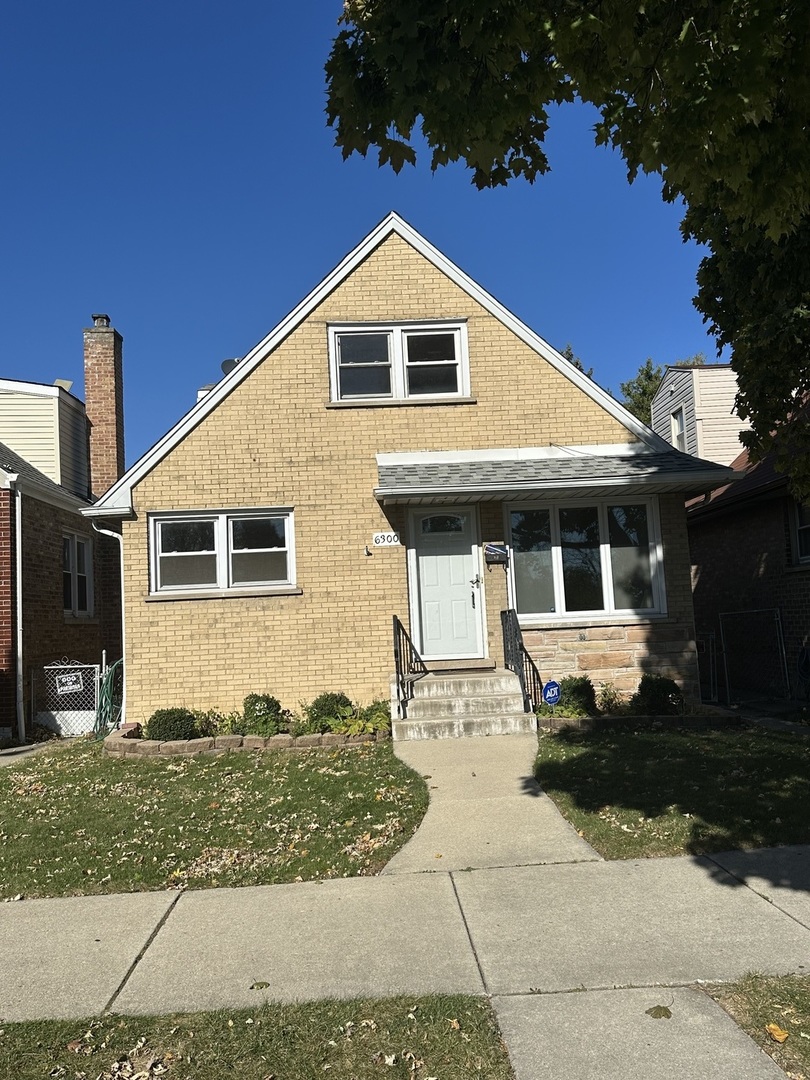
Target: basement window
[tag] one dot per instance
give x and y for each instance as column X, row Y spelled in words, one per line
column 222, row 551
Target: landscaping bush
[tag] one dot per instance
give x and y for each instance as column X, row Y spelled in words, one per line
column 212, row 722
column 609, row 700
column 264, row 715
column 577, row 699
column 168, row 724
column 377, row 715
column 656, row 696
column 326, row 709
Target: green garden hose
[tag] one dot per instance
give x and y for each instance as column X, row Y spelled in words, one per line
column 109, row 700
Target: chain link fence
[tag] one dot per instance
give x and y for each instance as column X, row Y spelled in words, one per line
column 64, row 696
column 753, row 651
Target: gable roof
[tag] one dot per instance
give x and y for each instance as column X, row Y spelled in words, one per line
column 117, row 501
column 15, row 469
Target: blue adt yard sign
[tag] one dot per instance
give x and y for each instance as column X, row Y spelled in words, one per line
column 551, row 693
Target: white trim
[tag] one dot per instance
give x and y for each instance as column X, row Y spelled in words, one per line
column 118, row 499
column 516, row 453
column 74, row 611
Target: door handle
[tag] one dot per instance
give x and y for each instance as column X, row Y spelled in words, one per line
column 476, row 581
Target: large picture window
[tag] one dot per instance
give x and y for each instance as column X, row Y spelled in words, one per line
column 595, row 558
column 222, row 550
column 77, row 575
column 426, row 360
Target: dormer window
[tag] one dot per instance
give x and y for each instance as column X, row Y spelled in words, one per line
column 398, row 362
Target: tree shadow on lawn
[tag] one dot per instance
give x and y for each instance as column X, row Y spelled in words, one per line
column 696, row 791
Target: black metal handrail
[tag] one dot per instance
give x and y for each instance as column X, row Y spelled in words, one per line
column 517, row 659
column 409, row 666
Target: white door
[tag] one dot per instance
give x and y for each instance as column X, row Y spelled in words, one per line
column 446, row 594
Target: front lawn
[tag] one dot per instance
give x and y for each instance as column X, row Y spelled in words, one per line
column 635, row 791
column 73, row 822
column 775, row 1011
column 448, row 1038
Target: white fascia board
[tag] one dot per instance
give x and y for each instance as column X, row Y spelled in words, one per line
column 118, row 499
column 46, row 495
column 516, row 453
column 17, row 386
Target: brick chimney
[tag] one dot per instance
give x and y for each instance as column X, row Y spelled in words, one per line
column 104, row 402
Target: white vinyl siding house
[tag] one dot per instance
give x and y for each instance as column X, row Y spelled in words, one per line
column 699, row 402
column 47, row 427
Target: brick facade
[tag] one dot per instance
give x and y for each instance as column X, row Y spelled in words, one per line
column 744, row 560
column 276, row 441
column 8, row 616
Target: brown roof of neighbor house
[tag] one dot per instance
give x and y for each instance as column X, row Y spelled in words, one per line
column 760, row 479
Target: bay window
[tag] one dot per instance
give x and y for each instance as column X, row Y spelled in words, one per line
column 600, row 557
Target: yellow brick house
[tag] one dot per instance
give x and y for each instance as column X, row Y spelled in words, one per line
column 401, row 445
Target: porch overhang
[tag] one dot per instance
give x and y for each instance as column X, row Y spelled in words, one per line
column 533, row 473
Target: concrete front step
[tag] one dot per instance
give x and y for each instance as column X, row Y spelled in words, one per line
column 466, row 684
column 434, row 707
column 451, row 705
column 456, row 727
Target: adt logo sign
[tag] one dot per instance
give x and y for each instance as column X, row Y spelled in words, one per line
column 551, row 693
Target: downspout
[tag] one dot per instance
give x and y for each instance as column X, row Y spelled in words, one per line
column 18, row 574
column 120, row 539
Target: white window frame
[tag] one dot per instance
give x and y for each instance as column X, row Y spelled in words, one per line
column 223, row 550
column 609, row 612
column 74, row 540
column 678, row 422
column 398, row 334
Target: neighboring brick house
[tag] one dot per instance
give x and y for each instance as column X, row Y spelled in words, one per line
column 366, row 460
column 750, row 545
column 59, row 578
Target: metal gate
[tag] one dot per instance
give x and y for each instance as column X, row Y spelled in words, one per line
column 64, row 696
column 754, row 658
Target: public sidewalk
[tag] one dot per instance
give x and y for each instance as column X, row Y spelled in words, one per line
column 532, row 935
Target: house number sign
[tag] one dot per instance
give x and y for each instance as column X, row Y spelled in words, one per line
column 385, row 539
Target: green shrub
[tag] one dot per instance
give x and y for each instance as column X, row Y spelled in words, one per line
column 656, row 696
column 609, row 700
column 212, row 722
column 263, row 715
column 377, row 715
column 577, row 699
column 168, row 724
column 326, row 709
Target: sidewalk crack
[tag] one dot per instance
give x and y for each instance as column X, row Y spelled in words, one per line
column 469, row 936
column 130, row 970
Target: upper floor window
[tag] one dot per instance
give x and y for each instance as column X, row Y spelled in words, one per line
column 572, row 559
column 678, row 430
column 413, row 360
column 77, row 575
column 803, row 532
column 222, row 550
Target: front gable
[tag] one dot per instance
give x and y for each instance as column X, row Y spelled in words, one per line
column 516, row 389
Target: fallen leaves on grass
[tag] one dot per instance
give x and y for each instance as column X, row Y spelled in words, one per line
column 776, row 1033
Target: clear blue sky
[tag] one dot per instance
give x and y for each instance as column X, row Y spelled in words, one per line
column 169, row 164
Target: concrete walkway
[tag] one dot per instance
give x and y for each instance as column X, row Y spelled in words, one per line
column 532, row 935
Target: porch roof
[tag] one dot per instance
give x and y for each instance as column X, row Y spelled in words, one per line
column 558, row 472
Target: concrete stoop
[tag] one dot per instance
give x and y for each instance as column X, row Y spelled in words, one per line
column 448, row 705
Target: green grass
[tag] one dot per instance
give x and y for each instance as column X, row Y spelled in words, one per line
column 759, row 1000
column 73, row 822
column 447, row 1038
column 637, row 791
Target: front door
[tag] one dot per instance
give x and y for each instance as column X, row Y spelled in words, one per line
column 447, row 598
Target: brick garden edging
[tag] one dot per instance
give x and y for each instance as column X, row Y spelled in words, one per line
column 125, row 743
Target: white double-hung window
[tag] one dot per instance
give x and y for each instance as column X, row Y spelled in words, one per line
column 77, row 575
column 222, row 550
column 372, row 361
column 596, row 558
